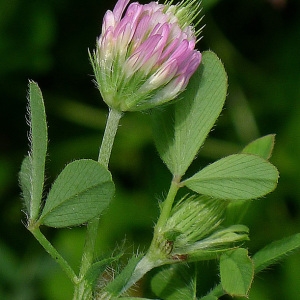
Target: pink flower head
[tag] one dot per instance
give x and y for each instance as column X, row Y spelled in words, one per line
column 146, row 54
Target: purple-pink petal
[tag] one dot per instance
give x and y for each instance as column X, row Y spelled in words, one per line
column 142, row 29
column 194, row 64
column 108, row 21
column 180, row 51
column 144, row 52
column 119, row 8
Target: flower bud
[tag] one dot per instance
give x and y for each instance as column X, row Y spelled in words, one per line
column 146, row 54
column 193, row 219
column 194, row 229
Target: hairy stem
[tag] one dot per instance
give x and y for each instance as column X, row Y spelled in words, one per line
column 168, row 203
column 53, row 253
column 109, row 136
column 92, row 227
column 156, row 254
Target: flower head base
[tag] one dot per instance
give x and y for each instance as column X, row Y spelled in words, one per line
column 146, row 55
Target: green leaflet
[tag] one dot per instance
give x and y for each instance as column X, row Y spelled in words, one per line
column 180, row 130
column 175, row 282
column 136, row 298
column 235, row 177
column 25, row 181
column 215, row 293
column 271, row 254
column 32, row 171
column 237, row 271
column 80, row 192
column 97, row 268
column 275, row 251
column 209, row 297
column 262, row 147
column 115, row 287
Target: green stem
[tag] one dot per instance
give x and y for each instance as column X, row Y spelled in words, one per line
column 109, row 136
column 92, row 227
column 53, row 252
column 168, row 203
column 155, row 256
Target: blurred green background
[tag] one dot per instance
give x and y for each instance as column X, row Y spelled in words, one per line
column 47, row 41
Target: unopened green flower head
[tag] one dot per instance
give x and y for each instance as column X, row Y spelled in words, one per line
column 194, row 218
column 146, row 54
column 194, row 228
